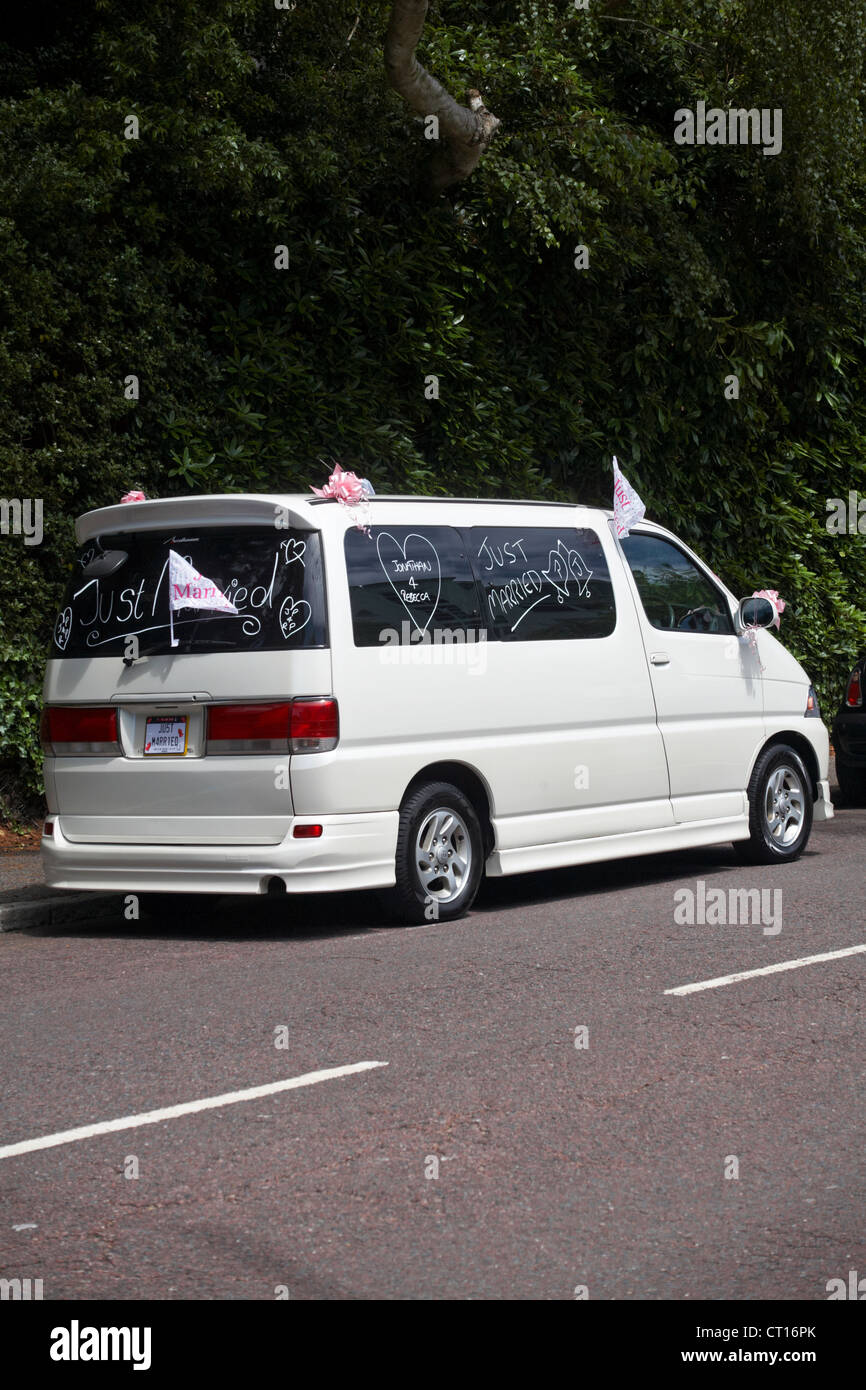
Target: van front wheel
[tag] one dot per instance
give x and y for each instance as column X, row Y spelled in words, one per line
column 780, row 808
column 439, row 855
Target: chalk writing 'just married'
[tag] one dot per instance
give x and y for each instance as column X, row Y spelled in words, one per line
column 100, row 612
column 516, row 587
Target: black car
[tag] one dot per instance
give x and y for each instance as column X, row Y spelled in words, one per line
column 849, row 736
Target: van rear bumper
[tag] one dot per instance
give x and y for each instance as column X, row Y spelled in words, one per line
column 353, row 851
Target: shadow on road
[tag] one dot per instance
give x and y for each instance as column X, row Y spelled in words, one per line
column 308, row 916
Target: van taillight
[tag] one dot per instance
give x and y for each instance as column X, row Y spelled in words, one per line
column 248, row 728
column 315, row 726
column 71, row 731
column 854, row 693
column 296, row 726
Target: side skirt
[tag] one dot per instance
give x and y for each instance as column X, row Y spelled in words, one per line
column 567, row 852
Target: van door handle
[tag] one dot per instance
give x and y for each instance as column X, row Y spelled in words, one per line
column 660, row 659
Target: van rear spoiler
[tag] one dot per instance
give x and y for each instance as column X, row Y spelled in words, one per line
column 239, row 509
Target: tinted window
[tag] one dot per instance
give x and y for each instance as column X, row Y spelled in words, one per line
column 676, row 595
column 540, row 583
column 273, row 578
column 409, row 580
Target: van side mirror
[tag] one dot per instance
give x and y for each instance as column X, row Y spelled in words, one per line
column 756, row 612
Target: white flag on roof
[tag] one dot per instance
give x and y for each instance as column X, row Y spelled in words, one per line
column 189, row 589
column 628, row 509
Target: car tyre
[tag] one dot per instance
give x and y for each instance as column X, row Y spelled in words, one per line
column 780, row 808
column 852, row 784
column 439, row 858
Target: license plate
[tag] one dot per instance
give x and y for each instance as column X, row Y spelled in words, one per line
column 165, row 735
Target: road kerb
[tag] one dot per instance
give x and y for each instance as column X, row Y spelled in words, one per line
column 51, row 911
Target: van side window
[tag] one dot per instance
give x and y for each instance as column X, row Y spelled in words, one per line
column 676, row 595
column 410, row 584
column 540, row 583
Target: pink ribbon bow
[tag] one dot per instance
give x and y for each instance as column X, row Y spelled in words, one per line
column 343, row 487
column 133, row 497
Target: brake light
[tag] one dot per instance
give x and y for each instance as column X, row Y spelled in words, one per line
column 315, row 726
column 254, row 728
column 854, row 693
column 71, row 731
column 296, row 726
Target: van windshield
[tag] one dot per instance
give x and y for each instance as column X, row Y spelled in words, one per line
column 273, row 578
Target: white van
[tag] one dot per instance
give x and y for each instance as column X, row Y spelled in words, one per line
column 409, row 699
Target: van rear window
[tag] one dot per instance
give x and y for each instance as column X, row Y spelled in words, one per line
column 273, row 578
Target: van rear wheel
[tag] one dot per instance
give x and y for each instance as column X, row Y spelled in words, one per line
column 439, row 856
column 780, row 808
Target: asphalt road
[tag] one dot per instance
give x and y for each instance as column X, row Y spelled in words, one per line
column 560, row 1167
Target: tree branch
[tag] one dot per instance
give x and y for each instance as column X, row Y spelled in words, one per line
column 467, row 131
column 654, row 28
column 348, row 40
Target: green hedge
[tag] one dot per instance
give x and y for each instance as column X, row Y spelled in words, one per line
column 262, row 127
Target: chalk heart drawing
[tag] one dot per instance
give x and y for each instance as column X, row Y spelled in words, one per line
column 415, row 560
column 62, row 628
column 294, row 614
column 293, row 550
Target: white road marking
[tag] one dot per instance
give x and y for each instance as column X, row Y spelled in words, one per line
column 189, row 1107
column 764, row 970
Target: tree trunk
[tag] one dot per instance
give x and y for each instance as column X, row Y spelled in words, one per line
column 465, row 131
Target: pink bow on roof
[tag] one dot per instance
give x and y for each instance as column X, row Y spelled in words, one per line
column 134, row 496
column 343, row 487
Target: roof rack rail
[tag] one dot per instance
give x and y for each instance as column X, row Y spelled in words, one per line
column 479, row 501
